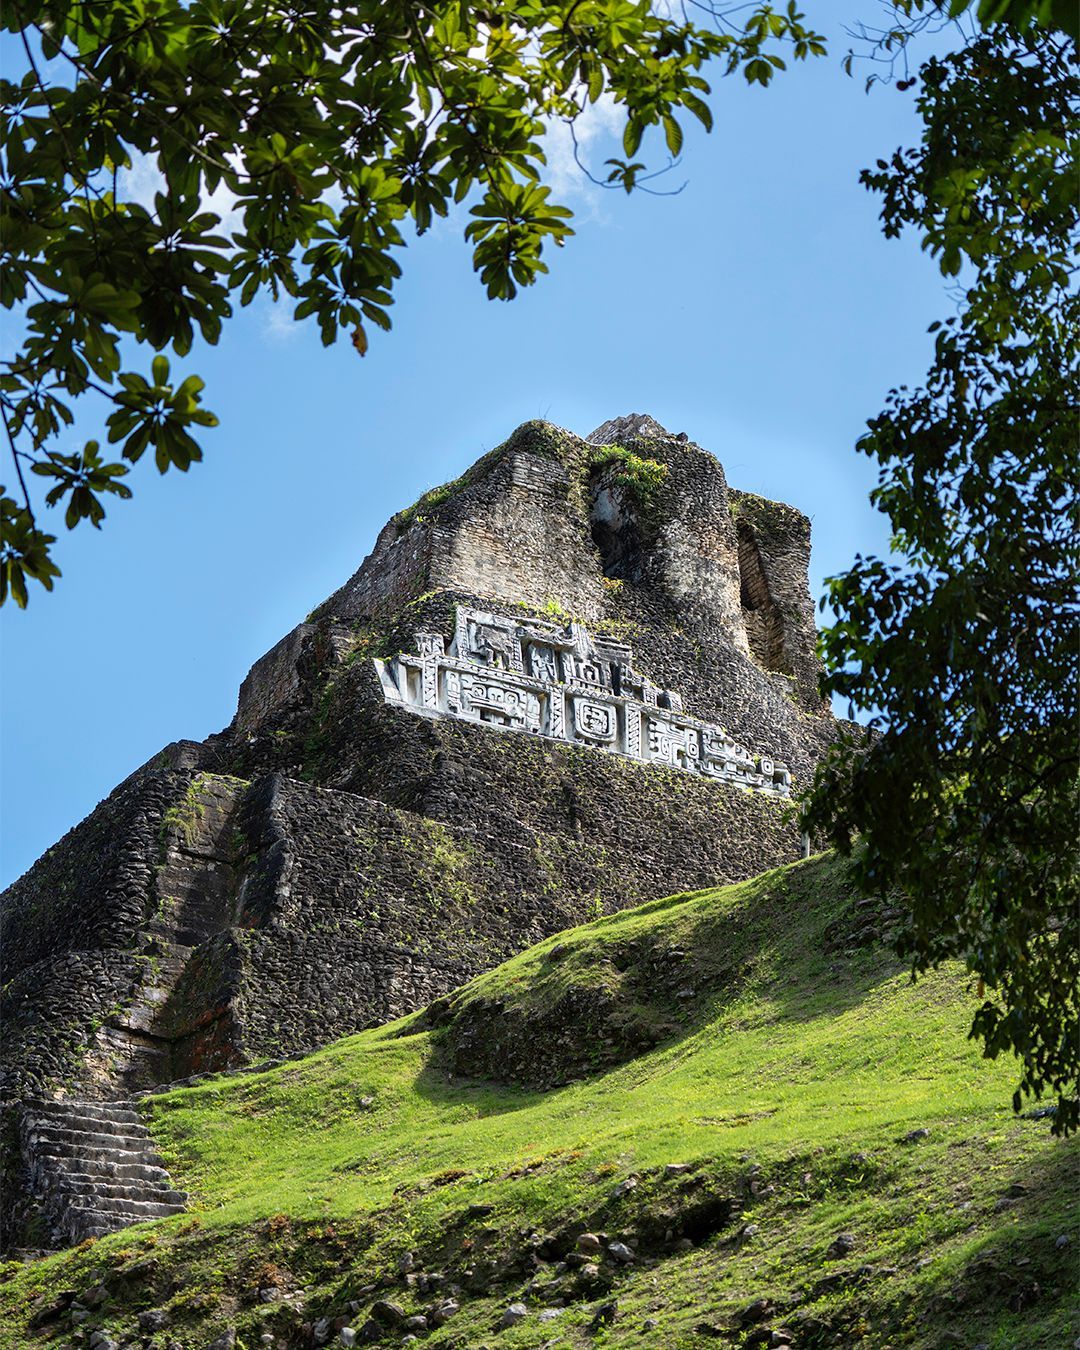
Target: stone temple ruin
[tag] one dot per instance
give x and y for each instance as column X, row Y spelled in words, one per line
column 580, row 677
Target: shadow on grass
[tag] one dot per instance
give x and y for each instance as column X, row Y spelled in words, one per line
column 620, row 991
column 1016, row 1281
column 485, row 1096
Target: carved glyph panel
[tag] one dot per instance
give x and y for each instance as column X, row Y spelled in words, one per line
column 558, row 681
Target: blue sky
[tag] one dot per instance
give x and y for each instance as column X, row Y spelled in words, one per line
column 760, row 311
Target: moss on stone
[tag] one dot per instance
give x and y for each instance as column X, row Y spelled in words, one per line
column 183, row 817
column 532, row 438
column 643, row 478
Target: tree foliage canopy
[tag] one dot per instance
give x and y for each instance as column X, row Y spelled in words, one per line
column 966, row 644
column 334, row 128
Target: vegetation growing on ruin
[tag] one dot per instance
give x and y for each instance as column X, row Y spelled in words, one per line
column 779, row 518
column 643, row 478
column 183, row 817
column 811, row 1092
column 525, row 439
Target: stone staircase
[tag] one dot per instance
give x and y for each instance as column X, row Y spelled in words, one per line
column 92, row 1169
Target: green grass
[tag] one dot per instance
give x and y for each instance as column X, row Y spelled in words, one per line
column 315, row 1178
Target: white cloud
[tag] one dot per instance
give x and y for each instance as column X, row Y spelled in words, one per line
column 597, row 132
column 144, row 179
column 278, row 322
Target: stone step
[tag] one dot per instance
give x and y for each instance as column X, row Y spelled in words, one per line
column 122, row 1140
column 94, row 1160
column 128, row 1121
column 115, row 1171
column 86, row 1223
column 80, row 1183
column 118, row 1110
column 163, row 931
column 134, row 1210
column 95, row 1168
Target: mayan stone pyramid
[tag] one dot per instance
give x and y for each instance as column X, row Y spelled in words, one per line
column 580, row 677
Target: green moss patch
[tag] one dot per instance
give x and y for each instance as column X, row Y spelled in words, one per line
column 643, row 478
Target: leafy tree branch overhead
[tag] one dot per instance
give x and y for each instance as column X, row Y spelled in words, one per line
column 335, row 128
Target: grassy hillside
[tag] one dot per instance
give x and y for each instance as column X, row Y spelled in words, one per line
column 768, row 1131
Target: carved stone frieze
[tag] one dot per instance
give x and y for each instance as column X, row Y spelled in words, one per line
column 559, row 681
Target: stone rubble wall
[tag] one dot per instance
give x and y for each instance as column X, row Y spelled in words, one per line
column 358, row 912
column 515, row 530
column 777, row 538
column 70, row 943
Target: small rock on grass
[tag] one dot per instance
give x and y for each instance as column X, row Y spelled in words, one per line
column 621, row 1252
column 841, row 1245
column 442, row 1312
column 517, row 1312
column 913, row 1136
column 389, row 1314
column 754, row 1312
column 605, row 1314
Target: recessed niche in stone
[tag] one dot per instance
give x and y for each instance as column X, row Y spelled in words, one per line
column 615, row 530
column 761, row 615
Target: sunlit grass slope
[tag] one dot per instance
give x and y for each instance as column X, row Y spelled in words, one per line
column 759, row 1036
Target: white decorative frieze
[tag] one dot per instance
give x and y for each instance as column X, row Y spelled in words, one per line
column 555, row 680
